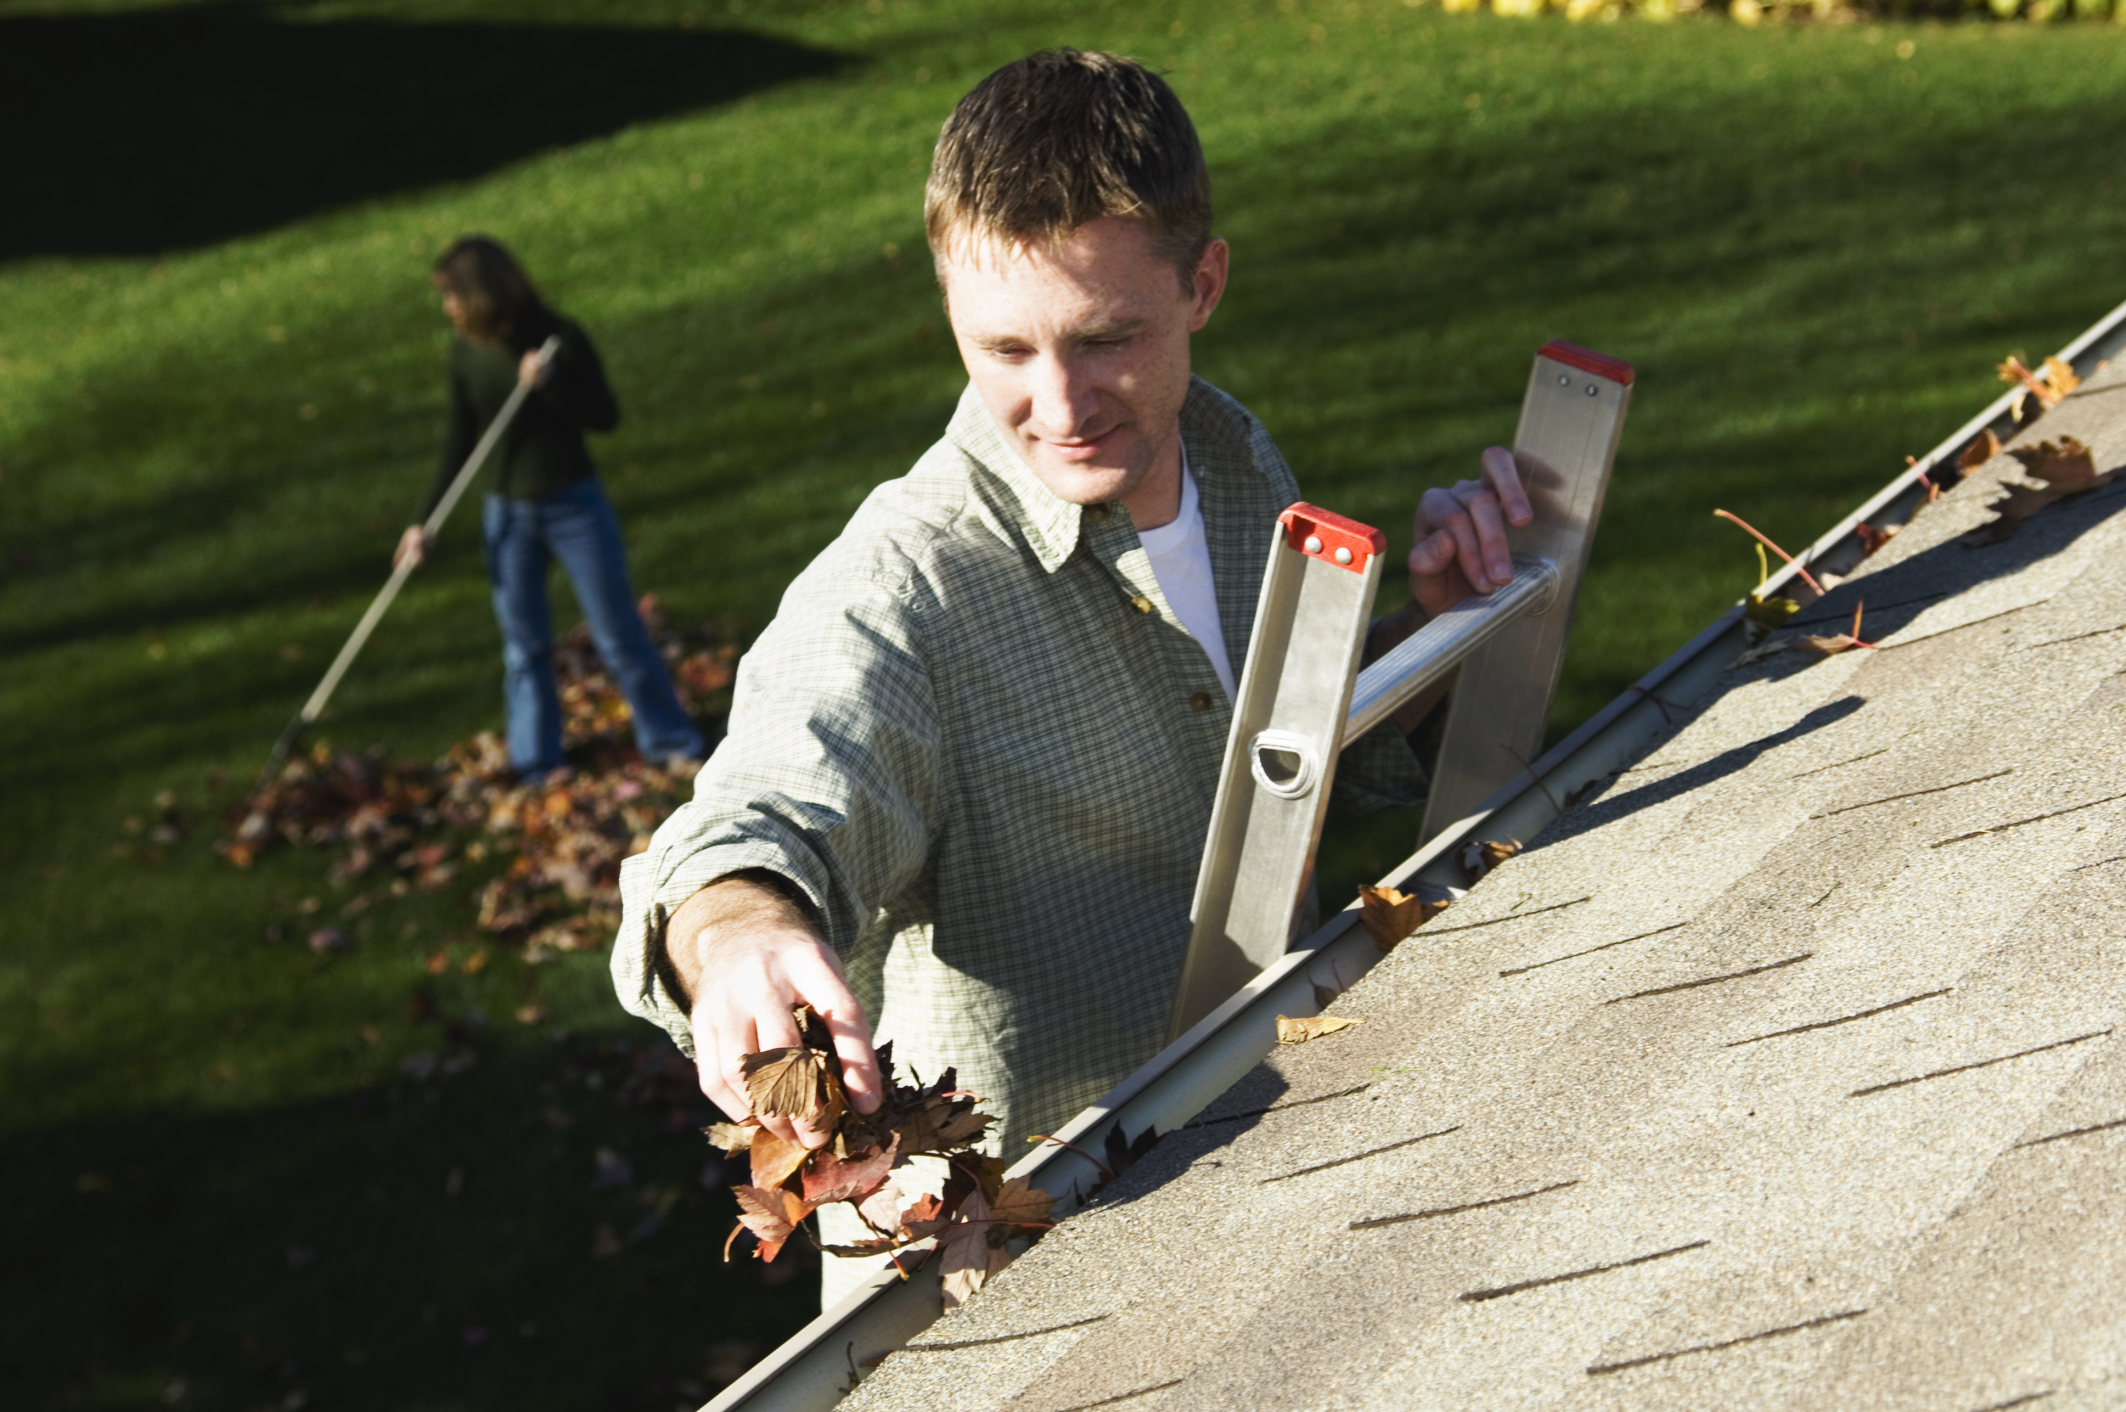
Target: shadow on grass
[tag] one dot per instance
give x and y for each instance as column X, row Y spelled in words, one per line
column 437, row 1242
column 138, row 132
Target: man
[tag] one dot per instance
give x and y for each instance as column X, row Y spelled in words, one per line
column 971, row 763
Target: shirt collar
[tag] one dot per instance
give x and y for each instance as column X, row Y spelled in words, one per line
column 1051, row 524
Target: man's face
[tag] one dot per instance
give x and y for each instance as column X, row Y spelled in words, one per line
column 1081, row 352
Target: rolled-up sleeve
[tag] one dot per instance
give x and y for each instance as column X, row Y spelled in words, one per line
column 827, row 778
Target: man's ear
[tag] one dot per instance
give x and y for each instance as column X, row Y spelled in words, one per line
column 1207, row 286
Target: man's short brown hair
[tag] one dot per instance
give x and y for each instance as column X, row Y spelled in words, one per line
column 1064, row 138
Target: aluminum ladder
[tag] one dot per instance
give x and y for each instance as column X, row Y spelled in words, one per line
column 1302, row 697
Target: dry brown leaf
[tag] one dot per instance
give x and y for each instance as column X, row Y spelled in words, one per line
column 802, row 1081
column 971, row 1251
column 1391, row 914
column 831, row 1178
column 775, row 1158
column 1299, row 1031
column 1872, row 539
column 1841, row 642
column 1020, row 1204
column 772, row 1216
column 2050, row 385
column 925, row 1216
column 1984, row 449
column 733, row 1138
column 2062, row 468
column 1477, row 859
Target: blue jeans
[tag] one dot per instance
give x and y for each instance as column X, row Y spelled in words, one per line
column 578, row 527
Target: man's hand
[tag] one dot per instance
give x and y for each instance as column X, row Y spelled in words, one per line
column 414, row 545
column 1461, row 535
column 531, row 370
column 1461, row 550
column 746, row 955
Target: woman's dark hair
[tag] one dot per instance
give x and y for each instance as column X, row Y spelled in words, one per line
column 500, row 300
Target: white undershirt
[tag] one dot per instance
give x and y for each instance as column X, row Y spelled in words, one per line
column 1181, row 560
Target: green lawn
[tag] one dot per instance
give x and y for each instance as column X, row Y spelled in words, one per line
column 220, row 389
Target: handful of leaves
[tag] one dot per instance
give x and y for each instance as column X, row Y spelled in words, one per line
column 971, row 1221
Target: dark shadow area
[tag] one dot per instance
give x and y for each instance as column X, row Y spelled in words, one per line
column 1905, row 590
column 1892, row 599
column 1727, row 762
column 517, row 1220
column 140, row 132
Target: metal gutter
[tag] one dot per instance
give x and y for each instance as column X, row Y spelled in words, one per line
column 820, row 1364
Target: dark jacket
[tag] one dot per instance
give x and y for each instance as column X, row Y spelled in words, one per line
column 543, row 451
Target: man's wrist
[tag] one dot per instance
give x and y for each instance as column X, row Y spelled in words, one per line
column 750, row 901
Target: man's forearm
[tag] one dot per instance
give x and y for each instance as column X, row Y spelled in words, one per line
column 730, row 905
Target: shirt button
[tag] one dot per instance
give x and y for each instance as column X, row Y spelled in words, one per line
column 1097, row 514
column 1201, row 701
column 1141, row 604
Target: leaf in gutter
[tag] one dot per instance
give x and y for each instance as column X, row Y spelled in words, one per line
column 1872, row 539
column 1772, row 612
column 2050, row 385
column 1980, row 451
column 1299, row 1031
column 772, row 1216
column 1391, row 914
column 2062, row 468
column 1478, row 859
column 1021, row 1205
column 775, row 1158
column 971, row 1251
column 1842, row 642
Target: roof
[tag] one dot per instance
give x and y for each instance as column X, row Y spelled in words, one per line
column 1780, row 1071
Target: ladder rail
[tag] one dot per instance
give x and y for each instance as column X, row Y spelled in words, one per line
column 1435, row 650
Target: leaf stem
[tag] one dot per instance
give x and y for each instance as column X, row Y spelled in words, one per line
column 1765, row 540
column 1104, row 1168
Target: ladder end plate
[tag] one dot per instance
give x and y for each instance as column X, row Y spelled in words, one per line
column 1572, row 355
column 1327, row 536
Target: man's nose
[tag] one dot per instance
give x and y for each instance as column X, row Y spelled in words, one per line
column 1063, row 397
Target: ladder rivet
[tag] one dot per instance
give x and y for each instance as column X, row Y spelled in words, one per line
column 1313, row 544
column 1591, row 389
column 1343, row 556
column 1564, row 379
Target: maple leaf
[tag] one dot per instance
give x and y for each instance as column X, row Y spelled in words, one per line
column 733, row 1138
column 1299, row 1031
column 775, row 1158
column 971, row 1251
column 1392, row 915
column 925, row 1216
column 772, row 1216
column 1020, row 1204
column 831, row 1178
column 2050, row 386
column 881, row 1209
column 2062, row 468
column 801, row 1081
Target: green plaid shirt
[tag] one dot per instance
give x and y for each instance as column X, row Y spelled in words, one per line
column 980, row 742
